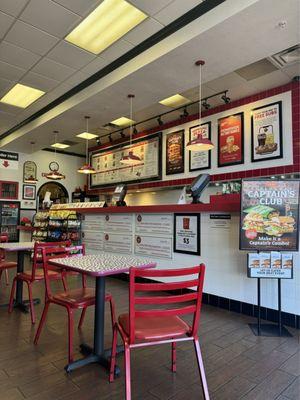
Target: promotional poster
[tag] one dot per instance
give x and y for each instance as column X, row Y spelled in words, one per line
column 187, row 233
column 200, row 159
column 231, row 140
column 175, row 153
column 269, row 215
column 270, row 265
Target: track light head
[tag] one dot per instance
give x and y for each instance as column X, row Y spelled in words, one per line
column 135, row 131
column 160, row 121
column 185, row 113
column 205, row 105
column 98, row 141
column 225, row 98
column 110, row 138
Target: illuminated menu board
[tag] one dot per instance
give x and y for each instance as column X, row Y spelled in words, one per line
column 110, row 171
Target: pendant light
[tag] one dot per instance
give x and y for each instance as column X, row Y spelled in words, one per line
column 31, row 178
column 87, row 168
column 200, row 143
column 54, row 173
column 131, row 159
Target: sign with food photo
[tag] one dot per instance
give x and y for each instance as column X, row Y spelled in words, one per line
column 269, row 215
column 270, row 265
column 175, row 153
column 231, row 140
column 266, row 132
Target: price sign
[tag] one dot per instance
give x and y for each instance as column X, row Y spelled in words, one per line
column 187, row 233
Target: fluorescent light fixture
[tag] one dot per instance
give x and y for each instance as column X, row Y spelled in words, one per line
column 59, row 145
column 21, row 96
column 175, row 101
column 111, row 20
column 123, row 121
column 87, row 135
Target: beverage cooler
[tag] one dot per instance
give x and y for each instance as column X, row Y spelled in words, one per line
column 10, row 219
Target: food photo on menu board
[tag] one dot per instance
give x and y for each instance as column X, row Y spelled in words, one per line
column 269, row 215
column 175, row 153
column 231, row 140
column 266, row 132
column 200, row 159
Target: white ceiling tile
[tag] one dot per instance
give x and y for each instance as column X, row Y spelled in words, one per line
column 10, row 109
column 67, row 54
column 31, row 38
column 53, row 70
column 94, row 66
column 39, row 81
column 15, row 55
column 5, row 86
column 270, row 80
column 225, row 81
column 50, row 17
column 13, row 7
column 116, row 50
column 5, row 23
column 81, row 7
column 10, row 72
column 143, row 31
column 151, row 7
column 75, row 79
column 175, row 10
column 292, row 70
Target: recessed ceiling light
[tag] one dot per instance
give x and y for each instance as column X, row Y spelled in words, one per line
column 21, row 96
column 175, row 101
column 123, row 121
column 87, row 135
column 59, row 145
column 111, row 20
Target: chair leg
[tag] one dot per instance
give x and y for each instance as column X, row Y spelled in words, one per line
column 70, row 334
column 201, row 369
column 113, row 354
column 82, row 317
column 173, row 357
column 6, row 277
column 12, row 294
column 127, row 372
column 112, row 312
column 64, row 281
column 42, row 322
column 32, row 313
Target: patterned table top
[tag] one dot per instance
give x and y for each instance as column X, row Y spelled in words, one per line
column 102, row 264
column 18, row 246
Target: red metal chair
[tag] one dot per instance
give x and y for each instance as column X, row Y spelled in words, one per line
column 4, row 264
column 146, row 325
column 37, row 274
column 71, row 299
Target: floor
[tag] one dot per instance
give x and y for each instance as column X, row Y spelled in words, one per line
column 238, row 364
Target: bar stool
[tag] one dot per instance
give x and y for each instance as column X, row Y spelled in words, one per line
column 4, row 264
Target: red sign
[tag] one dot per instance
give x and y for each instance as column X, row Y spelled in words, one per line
column 230, row 140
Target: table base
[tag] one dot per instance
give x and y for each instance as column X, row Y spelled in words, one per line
column 91, row 358
column 22, row 306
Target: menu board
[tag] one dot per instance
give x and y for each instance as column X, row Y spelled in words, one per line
column 270, row 265
column 119, row 243
column 153, row 246
column 187, row 233
column 200, row 159
column 231, row 140
column 269, row 215
column 118, row 223
column 175, row 153
column 110, row 171
column 154, row 223
column 92, row 228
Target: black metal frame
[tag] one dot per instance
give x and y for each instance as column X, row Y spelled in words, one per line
column 198, row 252
column 209, row 152
column 28, row 198
column 182, row 133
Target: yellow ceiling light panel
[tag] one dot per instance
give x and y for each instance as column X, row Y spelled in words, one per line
column 123, row 121
column 87, row 135
column 21, row 96
column 111, row 20
column 175, row 101
column 60, row 145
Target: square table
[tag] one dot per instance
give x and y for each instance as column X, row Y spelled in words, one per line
column 99, row 266
column 21, row 248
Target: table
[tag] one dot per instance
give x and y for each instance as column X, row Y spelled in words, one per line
column 99, row 266
column 20, row 248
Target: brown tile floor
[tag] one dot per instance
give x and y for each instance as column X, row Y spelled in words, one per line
column 238, row 364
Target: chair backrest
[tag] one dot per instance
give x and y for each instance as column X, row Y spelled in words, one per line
column 143, row 304
column 3, row 239
column 37, row 261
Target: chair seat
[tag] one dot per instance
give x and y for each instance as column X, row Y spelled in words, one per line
column 76, row 297
column 152, row 328
column 39, row 275
column 7, row 264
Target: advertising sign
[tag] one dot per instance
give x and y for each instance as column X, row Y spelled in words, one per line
column 269, row 215
column 187, row 233
column 154, row 246
column 154, row 224
column 9, row 160
column 200, row 159
column 175, row 153
column 231, row 140
column 270, row 265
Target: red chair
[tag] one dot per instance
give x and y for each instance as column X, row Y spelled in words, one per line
column 147, row 326
column 71, row 299
column 4, row 264
column 37, row 274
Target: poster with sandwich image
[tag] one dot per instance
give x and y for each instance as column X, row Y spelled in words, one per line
column 270, row 265
column 269, row 215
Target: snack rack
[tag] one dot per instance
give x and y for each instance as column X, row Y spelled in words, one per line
column 64, row 225
column 40, row 225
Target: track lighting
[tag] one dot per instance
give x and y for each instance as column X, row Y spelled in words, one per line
column 110, row 138
column 225, row 98
column 98, row 142
column 160, row 121
column 185, row 113
column 122, row 134
column 205, row 104
column 135, row 131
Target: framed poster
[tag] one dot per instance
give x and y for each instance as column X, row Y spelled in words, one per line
column 270, row 265
column 175, row 153
column 28, row 204
column 111, row 172
column 200, row 159
column 187, row 234
column 29, row 170
column 29, row 192
column 231, row 140
column 269, row 215
column 266, row 132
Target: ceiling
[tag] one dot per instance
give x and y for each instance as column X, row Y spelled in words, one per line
column 33, row 52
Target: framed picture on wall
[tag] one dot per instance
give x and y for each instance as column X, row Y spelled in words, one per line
column 200, row 159
column 29, row 192
column 29, row 171
column 175, row 153
column 187, row 233
column 266, row 132
column 231, row 140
